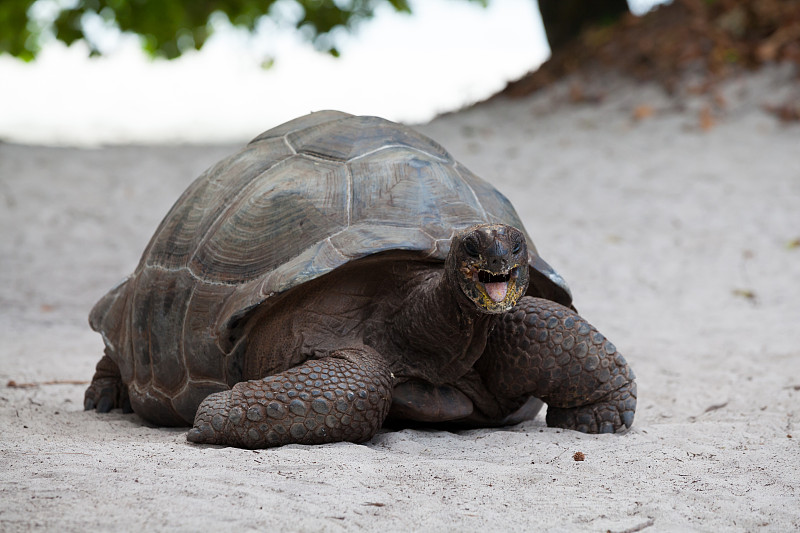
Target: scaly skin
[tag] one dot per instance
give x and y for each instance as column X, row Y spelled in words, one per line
column 540, row 348
column 344, row 397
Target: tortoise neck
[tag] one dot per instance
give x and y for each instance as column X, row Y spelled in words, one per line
column 439, row 322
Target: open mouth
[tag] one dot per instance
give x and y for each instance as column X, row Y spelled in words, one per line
column 496, row 285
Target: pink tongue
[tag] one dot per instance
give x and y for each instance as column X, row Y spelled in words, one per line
column 497, row 291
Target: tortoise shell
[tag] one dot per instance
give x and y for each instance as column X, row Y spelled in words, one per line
column 297, row 202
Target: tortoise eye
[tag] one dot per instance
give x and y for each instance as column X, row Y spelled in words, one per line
column 517, row 247
column 471, row 247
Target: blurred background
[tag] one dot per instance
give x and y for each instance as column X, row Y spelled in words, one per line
column 90, row 72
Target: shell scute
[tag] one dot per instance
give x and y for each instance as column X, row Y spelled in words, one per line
column 204, row 202
column 202, row 355
column 381, row 238
column 294, row 206
column 159, row 310
column 301, row 123
column 344, row 140
column 398, row 188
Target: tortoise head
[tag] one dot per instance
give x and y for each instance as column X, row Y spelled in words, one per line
column 490, row 264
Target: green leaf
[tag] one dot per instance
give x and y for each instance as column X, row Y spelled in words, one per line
column 170, row 27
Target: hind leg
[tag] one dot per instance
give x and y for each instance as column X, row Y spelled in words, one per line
column 542, row 349
column 107, row 391
column 343, row 397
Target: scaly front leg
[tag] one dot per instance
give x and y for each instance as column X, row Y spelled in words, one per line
column 344, row 397
column 540, row 348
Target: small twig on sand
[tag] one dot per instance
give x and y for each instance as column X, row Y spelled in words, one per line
column 634, row 529
column 715, row 407
column 708, row 410
column 14, row 385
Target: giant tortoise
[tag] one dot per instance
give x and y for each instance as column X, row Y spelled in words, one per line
column 340, row 272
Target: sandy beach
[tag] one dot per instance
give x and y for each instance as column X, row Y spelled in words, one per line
column 676, row 224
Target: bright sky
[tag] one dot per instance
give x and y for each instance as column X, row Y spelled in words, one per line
column 449, row 54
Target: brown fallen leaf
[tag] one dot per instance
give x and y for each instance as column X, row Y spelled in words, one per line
column 576, row 93
column 643, row 111
column 579, row 95
column 706, row 118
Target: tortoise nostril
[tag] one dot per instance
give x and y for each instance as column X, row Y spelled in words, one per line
column 495, row 263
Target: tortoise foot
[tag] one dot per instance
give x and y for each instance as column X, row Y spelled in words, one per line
column 107, row 391
column 542, row 349
column 344, row 397
column 612, row 414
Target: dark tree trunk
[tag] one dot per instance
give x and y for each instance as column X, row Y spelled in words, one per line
column 564, row 19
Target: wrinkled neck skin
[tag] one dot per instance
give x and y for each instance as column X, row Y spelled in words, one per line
column 439, row 331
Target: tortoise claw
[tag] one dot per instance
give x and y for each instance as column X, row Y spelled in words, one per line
column 126, row 406
column 202, row 434
column 105, row 403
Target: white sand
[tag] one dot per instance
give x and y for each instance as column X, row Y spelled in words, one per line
column 663, row 231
